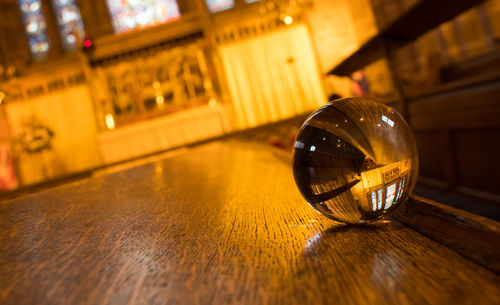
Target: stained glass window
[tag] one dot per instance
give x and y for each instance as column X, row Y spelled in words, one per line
column 215, row 6
column 35, row 26
column 130, row 14
column 70, row 22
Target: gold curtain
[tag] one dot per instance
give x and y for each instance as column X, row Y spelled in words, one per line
column 272, row 76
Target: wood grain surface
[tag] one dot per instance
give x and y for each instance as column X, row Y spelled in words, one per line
column 221, row 224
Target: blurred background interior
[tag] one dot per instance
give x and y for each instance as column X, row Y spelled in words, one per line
column 88, row 87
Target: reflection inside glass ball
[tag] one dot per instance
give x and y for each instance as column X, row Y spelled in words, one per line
column 355, row 160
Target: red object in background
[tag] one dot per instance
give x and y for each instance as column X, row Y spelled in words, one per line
column 87, row 43
column 8, row 178
column 276, row 141
column 359, row 84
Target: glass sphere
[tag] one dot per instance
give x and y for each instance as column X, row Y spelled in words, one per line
column 355, row 160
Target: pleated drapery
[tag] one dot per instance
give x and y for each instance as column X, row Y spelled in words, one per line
column 273, row 76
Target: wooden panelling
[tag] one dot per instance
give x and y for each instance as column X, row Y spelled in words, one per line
column 461, row 149
column 477, row 160
column 487, row 63
column 173, row 130
column 110, row 46
column 13, row 44
column 472, row 107
column 96, row 18
column 432, row 154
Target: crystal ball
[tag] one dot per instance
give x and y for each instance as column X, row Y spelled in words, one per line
column 355, row 160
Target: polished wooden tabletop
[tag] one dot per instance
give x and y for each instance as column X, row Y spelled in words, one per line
column 221, row 223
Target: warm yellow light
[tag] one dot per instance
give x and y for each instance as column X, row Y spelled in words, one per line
column 159, row 168
column 160, row 99
column 288, row 20
column 110, row 121
column 2, row 96
column 156, row 84
column 207, row 84
column 212, row 103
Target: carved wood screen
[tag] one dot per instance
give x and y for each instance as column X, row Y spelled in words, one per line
column 152, row 85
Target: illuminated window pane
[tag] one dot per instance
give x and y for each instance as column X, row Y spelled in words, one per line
column 374, row 201
column 215, row 6
column 391, row 191
column 130, row 14
column 379, row 199
column 70, row 22
column 35, row 26
column 398, row 189
column 401, row 187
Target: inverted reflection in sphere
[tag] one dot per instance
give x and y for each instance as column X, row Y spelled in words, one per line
column 355, row 160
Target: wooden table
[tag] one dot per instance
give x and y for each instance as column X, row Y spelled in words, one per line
column 221, row 224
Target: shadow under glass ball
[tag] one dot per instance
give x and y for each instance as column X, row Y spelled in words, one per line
column 355, row 160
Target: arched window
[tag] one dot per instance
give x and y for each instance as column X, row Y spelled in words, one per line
column 70, row 22
column 129, row 14
column 35, row 26
column 215, row 6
